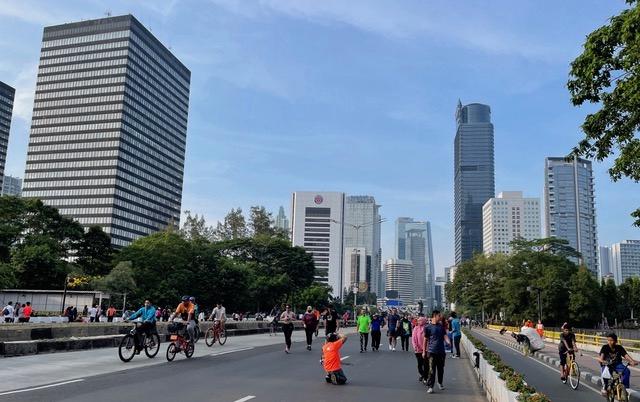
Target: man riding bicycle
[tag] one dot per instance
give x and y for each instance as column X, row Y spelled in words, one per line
column 148, row 315
column 186, row 311
column 218, row 315
column 612, row 355
column 566, row 346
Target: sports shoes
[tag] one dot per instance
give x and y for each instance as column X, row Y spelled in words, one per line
column 308, row 347
column 430, row 390
column 286, row 350
column 390, row 347
column 440, row 387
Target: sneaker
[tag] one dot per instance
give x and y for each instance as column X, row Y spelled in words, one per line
column 286, row 350
column 430, row 390
column 394, row 349
column 390, row 347
column 361, row 351
column 308, row 347
column 440, row 387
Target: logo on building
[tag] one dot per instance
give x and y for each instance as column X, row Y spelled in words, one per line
column 318, row 199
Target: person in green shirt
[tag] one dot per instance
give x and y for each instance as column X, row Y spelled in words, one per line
column 364, row 326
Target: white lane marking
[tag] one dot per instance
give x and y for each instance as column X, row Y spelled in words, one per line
column 41, row 387
column 246, row 398
column 345, row 358
column 230, row 351
column 582, row 381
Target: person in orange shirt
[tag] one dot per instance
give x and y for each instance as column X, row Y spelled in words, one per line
column 111, row 312
column 540, row 329
column 186, row 311
column 331, row 358
column 27, row 312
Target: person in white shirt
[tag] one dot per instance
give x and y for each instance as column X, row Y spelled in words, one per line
column 93, row 314
column 219, row 314
column 8, row 312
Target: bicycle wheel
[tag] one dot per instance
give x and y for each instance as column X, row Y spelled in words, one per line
column 197, row 334
column 209, row 337
column 189, row 350
column 127, row 348
column 171, row 351
column 222, row 337
column 152, row 345
column 623, row 396
column 574, row 375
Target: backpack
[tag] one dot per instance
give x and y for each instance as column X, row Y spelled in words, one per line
column 5, row 311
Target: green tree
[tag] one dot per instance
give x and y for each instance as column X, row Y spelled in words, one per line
column 607, row 73
column 629, row 292
column 120, row 279
column 261, row 222
column 95, row 252
column 8, row 279
column 233, row 227
column 317, row 295
column 195, row 228
column 584, row 309
column 39, row 263
column 611, row 301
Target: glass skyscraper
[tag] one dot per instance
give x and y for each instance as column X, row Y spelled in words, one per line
column 413, row 243
column 474, row 176
column 570, row 207
column 107, row 140
column 7, row 94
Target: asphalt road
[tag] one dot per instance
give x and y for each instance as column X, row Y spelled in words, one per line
column 266, row 374
column 544, row 378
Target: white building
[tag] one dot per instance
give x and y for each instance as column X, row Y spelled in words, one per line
column 354, row 267
column 316, row 225
column 400, row 277
column 362, row 230
column 507, row 217
column 625, row 260
column 11, row 186
column 449, row 275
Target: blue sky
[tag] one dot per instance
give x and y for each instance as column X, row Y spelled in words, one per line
column 355, row 96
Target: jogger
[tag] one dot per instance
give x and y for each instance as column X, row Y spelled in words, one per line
column 310, row 325
column 287, row 318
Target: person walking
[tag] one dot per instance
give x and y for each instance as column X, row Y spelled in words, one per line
column 310, row 322
column 392, row 328
column 287, row 317
column 456, row 334
column 364, row 326
column 111, row 312
column 331, row 324
column 7, row 312
column 28, row 311
column 93, row 313
column 435, row 337
column 377, row 323
column 404, row 329
column 540, row 329
column 417, row 340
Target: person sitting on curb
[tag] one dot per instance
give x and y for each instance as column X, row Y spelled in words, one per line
column 331, row 358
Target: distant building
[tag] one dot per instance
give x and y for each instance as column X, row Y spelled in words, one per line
column 507, row 217
column 355, row 266
column 440, row 296
column 413, row 242
column 316, row 222
column 570, row 207
column 362, row 231
column 625, row 258
column 7, row 95
column 474, row 176
column 400, row 278
column 109, row 128
column 11, row 186
column 282, row 222
column 604, row 261
column 449, row 276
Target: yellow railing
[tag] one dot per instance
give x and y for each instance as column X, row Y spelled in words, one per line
column 631, row 345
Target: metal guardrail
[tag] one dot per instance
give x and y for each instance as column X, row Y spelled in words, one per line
column 631, row 345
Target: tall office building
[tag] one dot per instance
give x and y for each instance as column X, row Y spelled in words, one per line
column 362, row 231
column 281, row 220
column 108, row 134
column 604, row 262
column 399, row 281
column 507, row 217
column 355, row 267
column 625, row 260
column 570, row 208
column 11, row 186
column 7, row 95
column 413, row 242
column 317, row 224
column 474, row 176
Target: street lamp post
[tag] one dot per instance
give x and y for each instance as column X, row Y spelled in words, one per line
column 539, row 290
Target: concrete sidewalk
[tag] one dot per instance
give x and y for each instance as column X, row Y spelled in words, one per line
column 36, row 370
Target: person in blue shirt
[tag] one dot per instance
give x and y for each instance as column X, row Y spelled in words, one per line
column 147, row 314
column 455, row 333
column 435, row 335
column 377, row 323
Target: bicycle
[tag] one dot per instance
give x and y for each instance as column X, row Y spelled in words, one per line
column 150, row 343
column 197, row 333
column 571, row 370
column 615, row 388
column 179, row 344
column 215, row 333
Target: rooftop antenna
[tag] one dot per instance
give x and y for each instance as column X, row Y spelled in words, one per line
column 107, row 13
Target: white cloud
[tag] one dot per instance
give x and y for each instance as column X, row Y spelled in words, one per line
column 25, row 84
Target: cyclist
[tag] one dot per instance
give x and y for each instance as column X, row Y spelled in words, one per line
column 566, row 346
column 148, row 315
column 186, row 311
column 218, row 315
column 612, row 354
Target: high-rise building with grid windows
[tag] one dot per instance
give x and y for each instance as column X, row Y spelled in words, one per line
column 7, row 94
column 109, row 127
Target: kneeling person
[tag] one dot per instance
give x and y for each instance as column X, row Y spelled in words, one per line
column 331, row 358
